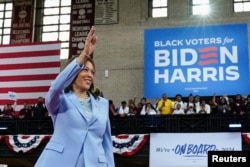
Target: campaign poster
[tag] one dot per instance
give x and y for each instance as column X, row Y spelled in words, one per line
column 201, row 60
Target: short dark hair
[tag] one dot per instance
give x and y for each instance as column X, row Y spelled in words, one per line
column 178, row 95
column 123, row 102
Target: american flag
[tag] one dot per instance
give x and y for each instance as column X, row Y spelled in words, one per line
column 27, row 70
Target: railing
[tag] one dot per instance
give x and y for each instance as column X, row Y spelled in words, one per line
column 13, row 126
column 137, row 124
column 179, row 123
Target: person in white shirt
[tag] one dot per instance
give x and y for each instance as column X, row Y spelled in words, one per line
column 123, row 110
column 197, row 103
column 204, row 108
column 178, row 110
column 149, row 110
column 178, row 100
column 190, row 105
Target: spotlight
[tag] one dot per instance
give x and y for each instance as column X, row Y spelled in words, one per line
column 3, row 128
column 235, row 125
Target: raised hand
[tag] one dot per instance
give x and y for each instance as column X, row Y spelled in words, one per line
column 89, row 46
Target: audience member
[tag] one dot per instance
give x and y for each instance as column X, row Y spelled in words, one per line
column 178, row 100
column 112, row 111
column 143, row 101
column 9, row 110
column 39, row 109
column 123, row 110
column 149, row 110
column 221, row 105
column 132, row 106
column 212, row 106
column 26, row 112
column 197, row 103
column 178, row 109
column 204, row 108
column 139, row 107
column 190, row 105
column 165, row 105
column 238, row 106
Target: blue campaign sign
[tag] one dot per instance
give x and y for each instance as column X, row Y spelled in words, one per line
column 201, row 60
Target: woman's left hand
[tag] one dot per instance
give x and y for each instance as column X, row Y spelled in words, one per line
column 89, row 46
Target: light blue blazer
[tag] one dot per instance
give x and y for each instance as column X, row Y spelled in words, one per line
column 76, row 141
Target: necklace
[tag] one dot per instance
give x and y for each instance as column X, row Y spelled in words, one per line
column 84, row 100
column 86, row 96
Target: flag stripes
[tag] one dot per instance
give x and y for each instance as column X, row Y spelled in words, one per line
column 28, row 70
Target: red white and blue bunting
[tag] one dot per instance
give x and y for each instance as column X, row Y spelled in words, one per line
column 24, row 143
column 128, row 145
column 124, row 145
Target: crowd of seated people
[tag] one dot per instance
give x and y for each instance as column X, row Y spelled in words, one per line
column 193, row 104
column 224, row 104
column 27, row 111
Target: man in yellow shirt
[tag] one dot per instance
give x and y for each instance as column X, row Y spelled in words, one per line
column 165, row 105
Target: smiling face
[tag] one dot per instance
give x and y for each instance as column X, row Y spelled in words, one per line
column 85, row 78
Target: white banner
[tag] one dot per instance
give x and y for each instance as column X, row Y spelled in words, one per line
column 189, row 149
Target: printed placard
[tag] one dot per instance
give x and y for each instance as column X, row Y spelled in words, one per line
column 196, row 59
column 12, row 96
column 189, row 149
